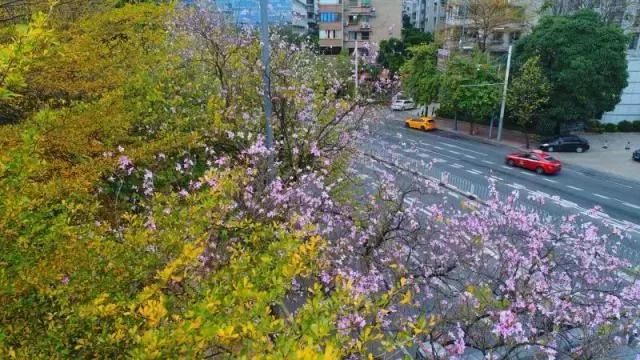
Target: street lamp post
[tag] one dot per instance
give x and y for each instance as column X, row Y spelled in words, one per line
column 504, row 94
column 266, row 82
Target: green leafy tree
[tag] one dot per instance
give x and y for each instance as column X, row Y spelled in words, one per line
column 412, row 37
column 392, row 54
column 584, row 60
column 420, row 74
column 470, row 88
column 528, row 94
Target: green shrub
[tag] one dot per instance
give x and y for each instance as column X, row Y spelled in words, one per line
column 636, row 126
column 625, row 126
column 594, row 125
column 610, row 128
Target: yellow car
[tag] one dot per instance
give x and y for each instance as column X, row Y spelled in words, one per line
column 424, row 123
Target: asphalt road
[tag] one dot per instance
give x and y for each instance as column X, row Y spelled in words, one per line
column 470, row 165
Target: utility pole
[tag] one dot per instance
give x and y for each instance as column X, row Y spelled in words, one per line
column 356, row 56
column 504, row 94
column 266, row 82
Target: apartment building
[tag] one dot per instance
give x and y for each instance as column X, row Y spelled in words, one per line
column 451, row 23
column 292, row 13
column 427, row 15
column 343, row 22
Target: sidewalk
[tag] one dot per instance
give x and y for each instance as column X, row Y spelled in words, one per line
column 615, row 159
column 514, row 139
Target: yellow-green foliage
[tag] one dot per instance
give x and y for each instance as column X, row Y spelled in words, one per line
column 84, row 276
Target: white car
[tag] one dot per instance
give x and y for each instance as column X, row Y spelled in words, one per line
column 403, row 104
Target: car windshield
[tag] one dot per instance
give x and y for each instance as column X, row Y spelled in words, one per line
column 549, row 158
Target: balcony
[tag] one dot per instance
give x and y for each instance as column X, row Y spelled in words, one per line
column 330, row 8
column 363, row 27
column 330, row 43
column 330, row 26
column 359, row 10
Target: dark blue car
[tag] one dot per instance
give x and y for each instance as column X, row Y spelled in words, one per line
column 636, row 155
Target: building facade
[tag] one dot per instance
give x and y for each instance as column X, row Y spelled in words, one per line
column 450, row 23
column 343, row 22
column 292, row 13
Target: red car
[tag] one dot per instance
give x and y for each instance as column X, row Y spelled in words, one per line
column 536, row 160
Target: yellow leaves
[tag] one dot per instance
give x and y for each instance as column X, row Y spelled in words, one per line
column 153, row 311
column 226, row 335
column 189, row 255
column 299, row 259
column 406, row 298
column 310, row 353
column 99, row 307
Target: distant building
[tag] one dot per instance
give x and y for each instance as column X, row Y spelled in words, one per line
column 343, row 22
column 449, row 21
column 292, row 13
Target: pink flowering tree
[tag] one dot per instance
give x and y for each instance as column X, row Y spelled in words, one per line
column 497, row 280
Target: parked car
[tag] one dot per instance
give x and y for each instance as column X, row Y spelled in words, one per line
column 565, row 143
column 398, row 96
column 403, row 104
column 536, row 160
column 424, row 123
column 636, row 155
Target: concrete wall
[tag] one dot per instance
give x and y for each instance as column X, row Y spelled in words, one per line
column 629, row 106
column 387, row 22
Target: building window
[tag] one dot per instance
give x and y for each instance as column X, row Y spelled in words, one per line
column 329, row 17
column 364, row 36
column 330, row 34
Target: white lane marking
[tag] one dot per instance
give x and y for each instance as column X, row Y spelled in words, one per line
column 527, row 173
column 438, row 147
column 469, row 156
column 591, row 214
column 516, row 186
column 488, row 162
column 631, row 205
column 464, row 149
column 424, row 156
column 506, row 167
column 426, row 212
column 451, row 193
column 574, row 188
column 474, row 172
column 456, row 165
column 549, row 180
column 454, row 152
column 437, row 160
column 540, row 194
column 567, row 204
column 601, row 196
column 496, row 178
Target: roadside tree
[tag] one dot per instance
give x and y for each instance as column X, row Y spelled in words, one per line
column 420, row 76
column 584, row 60
column 470, row 88
column 487, row 15
column 392, row 54
column 527, row 96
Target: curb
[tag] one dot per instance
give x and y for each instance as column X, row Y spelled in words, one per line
column 481, row 139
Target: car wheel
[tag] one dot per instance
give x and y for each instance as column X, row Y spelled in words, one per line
column 511, row 163
column 540, row 170
column 550, row 149
column 579, row 149
column 423, row 128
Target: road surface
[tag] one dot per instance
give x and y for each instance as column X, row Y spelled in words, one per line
column 469, row 165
